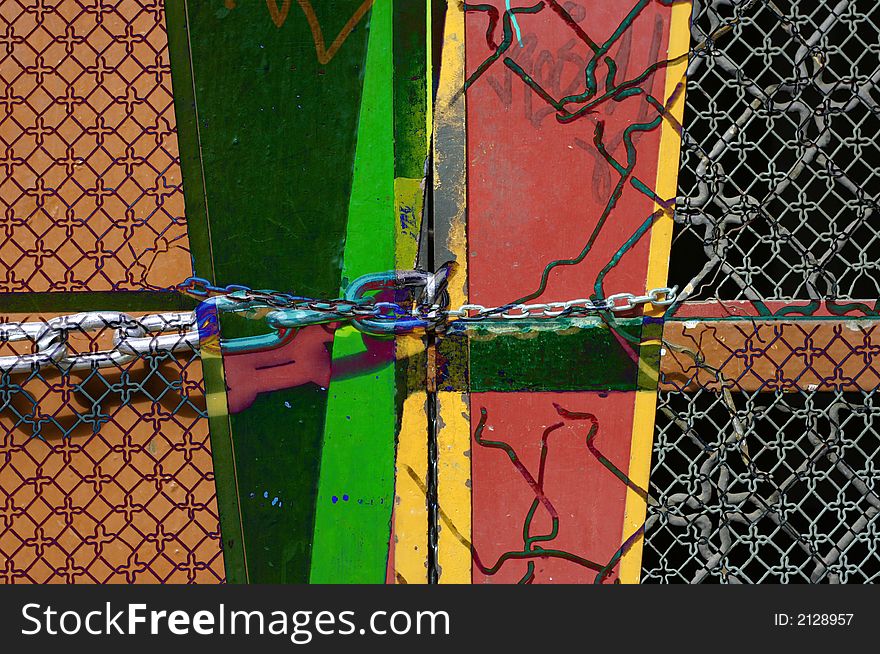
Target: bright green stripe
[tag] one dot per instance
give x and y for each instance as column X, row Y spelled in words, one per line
column 351, row 537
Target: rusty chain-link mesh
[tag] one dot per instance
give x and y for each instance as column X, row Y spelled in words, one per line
column 767, row 441
column 106, row 474
column 91, row 191
column 778, row 355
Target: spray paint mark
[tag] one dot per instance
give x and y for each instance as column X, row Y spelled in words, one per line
column 515, row 24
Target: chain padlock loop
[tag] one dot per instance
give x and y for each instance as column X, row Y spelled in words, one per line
column 425, row 311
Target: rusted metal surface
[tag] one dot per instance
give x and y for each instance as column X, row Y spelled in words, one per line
column 777, row 355
column 91, row 191
column 544, row 219
column 107, row 475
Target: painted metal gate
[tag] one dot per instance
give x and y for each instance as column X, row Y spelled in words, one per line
column 559, row 291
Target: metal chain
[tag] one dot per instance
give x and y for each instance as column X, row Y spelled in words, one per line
column 618, row 303
column 179, row 331
column 132, row 338
column 239, row 298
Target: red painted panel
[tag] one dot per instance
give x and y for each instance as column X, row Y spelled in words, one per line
column 536, row 187
column 586, row 496
column 536, row 191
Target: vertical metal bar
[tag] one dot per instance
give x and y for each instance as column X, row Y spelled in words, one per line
column 431, row 495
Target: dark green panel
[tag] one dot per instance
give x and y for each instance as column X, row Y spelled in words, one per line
column 278, row 536
column 276, row 131
column 152, row 301
column 649, row 371
column 267, row 136
column 452, row 361
column 410, row 88
column 527, row 357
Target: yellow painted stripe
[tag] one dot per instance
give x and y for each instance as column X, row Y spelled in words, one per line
column 670, row 146
column 451, row 113
column 410, row 509
column 216, row 402
column 411, row 469
column 658, row 270
column 454, row 488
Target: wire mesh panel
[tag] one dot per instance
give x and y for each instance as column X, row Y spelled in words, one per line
column 778, row 181
column 105, row 461
column 767, row 442
column 764, row 487
column 91, row 192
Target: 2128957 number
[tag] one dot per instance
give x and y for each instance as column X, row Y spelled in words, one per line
column 824, row 619
column 813, row 619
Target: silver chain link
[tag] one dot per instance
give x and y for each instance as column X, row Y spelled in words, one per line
column 132, row 338
column 618, row 303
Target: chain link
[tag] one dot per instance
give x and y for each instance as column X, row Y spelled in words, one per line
column 132, row 338
column 171, row 332
column 618, row 303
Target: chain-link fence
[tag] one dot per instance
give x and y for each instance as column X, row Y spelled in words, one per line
column 764, row 487
column 91, row 195
column 772, row 480
column 778, row 183
column 106, row 472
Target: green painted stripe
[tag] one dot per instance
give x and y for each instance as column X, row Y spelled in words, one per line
column 195, row 198
column 95, row 301
column 223, row 456
column 540, row 357
column 267, row 137
column 355, row 494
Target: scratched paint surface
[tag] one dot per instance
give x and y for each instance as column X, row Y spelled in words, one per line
column 539, row 484
column 539, row 188
column 553, row 197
